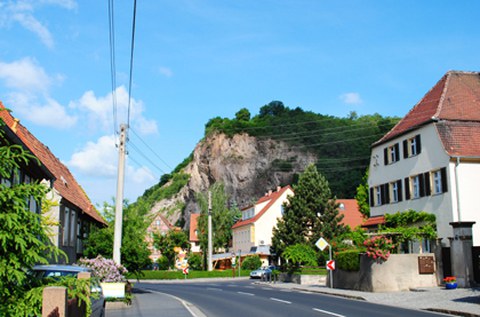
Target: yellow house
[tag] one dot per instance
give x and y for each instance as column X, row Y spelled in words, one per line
column 253, row 233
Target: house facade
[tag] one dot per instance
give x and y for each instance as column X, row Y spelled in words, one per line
column 70, row 206
column 430, row 160
column 253, row 233
column 193, row 236
column 161, row 226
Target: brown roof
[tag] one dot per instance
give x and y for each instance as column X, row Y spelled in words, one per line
column 352, row 217
column 460, row 138
column 456, row 96
column 374, row 221
column 271, row 198
column 65, row 183
column 193, row 227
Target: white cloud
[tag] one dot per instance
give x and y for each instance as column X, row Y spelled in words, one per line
column 100, row 159
column 100, row 109
column 165, row 71
column 30, row 23
column 351, row 98
column 97, row 158
column 23, row 13
column 25, row 74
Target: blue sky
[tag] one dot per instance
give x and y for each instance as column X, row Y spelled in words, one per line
column 197, row 59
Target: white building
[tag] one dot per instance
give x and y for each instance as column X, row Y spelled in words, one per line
column 430, row 161
column 253, row 233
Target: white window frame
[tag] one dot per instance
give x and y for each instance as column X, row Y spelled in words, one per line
column 416, row 186
column 413, row 146
column 394, row 190
column 437, row 182
column 378, row 195
column 393, row 154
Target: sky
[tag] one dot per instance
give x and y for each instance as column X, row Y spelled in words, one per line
column 197, row 59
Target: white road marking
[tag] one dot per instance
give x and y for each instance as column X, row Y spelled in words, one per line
column 328, row 312
column 249, row 287
column 214, row 289
column 305, row 292
column 285, row 290
column 243, row 293
column 280, row 300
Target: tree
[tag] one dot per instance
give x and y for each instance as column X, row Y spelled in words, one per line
column 362, row 196
column 311, row 213
column 299, row 254
column 243, row 115
column 167, row 244
column 24, row 240
column 134, row 250
column 222, row 218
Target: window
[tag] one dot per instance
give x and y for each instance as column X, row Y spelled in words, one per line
column 416, row 186
column 437, row 182
column 282, row 209
column 396, row 191
column 66, row 226
column 412, row 146
column 378, row 191
column 392, row 154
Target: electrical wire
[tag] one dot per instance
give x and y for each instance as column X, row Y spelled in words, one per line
column 150, row 148
column 131, row 61
column 137, row 150
column 113, row 71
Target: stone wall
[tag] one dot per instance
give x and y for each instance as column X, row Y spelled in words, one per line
column 399, row 273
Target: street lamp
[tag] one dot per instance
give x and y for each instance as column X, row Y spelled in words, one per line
column 239, row 262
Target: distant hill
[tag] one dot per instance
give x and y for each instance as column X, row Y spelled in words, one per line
column 251, row 155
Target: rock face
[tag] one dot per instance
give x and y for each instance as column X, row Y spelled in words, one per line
column 247, row 166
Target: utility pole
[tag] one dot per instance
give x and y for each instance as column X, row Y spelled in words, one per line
column 210, row 231
column 117, row 240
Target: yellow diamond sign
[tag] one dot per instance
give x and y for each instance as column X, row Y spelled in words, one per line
column 321, row 244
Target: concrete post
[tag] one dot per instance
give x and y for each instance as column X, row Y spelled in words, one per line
column 54, row 301
column 461, row 253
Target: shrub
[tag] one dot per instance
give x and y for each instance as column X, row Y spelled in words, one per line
column 348, row 260
column 195, row 262
column 379, row 247
column 251, row 262
column 105, row 269
column 163, row 263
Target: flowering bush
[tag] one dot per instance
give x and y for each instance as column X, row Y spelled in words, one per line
column 450, row 279
column 379, row 247
column 105, row 269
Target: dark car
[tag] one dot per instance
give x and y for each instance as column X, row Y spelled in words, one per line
column 59, row 270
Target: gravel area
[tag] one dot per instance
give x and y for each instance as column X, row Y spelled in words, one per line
column 458, row 302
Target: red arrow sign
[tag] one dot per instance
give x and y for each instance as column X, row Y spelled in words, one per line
column 331, row 265
column 185, row 271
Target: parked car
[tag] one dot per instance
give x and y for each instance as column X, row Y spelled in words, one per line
column 263, row 272
column 59, row 270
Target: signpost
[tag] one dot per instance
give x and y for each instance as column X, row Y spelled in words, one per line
column 185, row 272
column 322, row 244
column 234, row 262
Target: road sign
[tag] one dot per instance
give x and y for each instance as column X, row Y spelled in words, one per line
column 330, row 265
column 185, row 271
column 321, row 244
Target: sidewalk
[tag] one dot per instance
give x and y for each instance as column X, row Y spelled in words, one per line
column 458, row 302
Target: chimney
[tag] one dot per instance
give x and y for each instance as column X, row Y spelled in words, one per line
column 15, row 124
column 269, row 192
column 279, row 188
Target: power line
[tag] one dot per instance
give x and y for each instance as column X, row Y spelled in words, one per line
column 113, row 71
column 131, row 60
column 151, row 150
column 146, row 157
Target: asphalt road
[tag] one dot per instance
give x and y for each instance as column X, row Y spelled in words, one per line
column 246, row 299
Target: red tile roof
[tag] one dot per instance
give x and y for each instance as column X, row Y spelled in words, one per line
column 374, row 221
column 193, row 227
column 352, row 217
column 456, row 96
column 460, row 138
column 271, row 198
column 65, row 183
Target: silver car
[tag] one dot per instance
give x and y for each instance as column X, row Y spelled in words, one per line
column 261, row 273
column 59, row 270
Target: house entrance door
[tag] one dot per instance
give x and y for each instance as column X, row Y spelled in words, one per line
column 447, row 262
column 476, row 263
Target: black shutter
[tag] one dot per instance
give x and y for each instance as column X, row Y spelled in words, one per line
column 397, row 152
column 405, row 148
column 428, row 190
column 372, row 199
column 399, row 187
column 443, row 173
column 418, row 144
column 386, row 193
column 422, row 185
column 385, row 156
column 407, row 188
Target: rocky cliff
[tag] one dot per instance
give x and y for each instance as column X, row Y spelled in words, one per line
column 247, row 166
